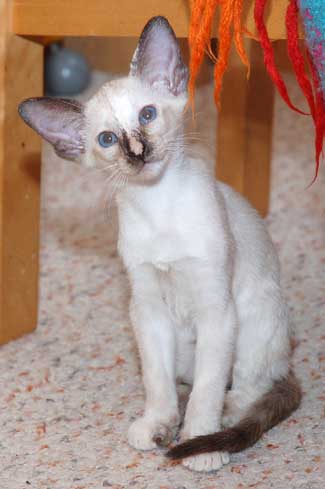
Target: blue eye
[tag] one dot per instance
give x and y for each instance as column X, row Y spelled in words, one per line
column 107, row 139
column 147, row 114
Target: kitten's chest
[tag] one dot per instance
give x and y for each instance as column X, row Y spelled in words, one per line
column 167, row 223
column 162, row 239
column 159, row 247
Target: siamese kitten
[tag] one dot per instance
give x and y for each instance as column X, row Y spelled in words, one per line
column 206, row 306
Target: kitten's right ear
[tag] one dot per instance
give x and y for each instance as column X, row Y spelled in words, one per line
column 59, row 121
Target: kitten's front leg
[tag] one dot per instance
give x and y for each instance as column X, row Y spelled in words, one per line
column 155, row 336
column 215, row 323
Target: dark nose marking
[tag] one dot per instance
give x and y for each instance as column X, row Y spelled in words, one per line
column 135, row 157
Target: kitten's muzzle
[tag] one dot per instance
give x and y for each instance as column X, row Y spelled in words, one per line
column 136, row 149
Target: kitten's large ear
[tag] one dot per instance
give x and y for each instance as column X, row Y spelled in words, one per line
column 58, row 121
column 157, row 58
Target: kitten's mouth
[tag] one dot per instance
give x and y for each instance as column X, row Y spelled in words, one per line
column 149, row 165
column 149, row 169
column 143, row 164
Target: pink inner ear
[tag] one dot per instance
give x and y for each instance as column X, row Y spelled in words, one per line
column 58, row 121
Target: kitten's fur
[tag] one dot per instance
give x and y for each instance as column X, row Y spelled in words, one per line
column 206, row 303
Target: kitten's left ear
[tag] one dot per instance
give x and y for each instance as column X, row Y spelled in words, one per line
column 59, row 121
column 157, row 59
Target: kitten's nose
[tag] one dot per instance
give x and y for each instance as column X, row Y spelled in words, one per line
column 136, row 148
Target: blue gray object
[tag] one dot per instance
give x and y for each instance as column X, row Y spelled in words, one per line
column 66, row 72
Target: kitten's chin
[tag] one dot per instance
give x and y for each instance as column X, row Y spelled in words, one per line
column 151, row 172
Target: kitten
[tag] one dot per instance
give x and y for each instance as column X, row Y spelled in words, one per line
column 206, row 305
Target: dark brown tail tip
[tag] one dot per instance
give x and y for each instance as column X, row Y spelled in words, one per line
column 179, row 451
column 194, row 446
column 174, row 453
column 275, row 406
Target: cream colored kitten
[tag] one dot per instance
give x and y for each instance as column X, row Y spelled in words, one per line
column 206, row 306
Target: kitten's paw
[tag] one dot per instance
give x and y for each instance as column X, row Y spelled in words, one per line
column 147, row 434
column 206, row 462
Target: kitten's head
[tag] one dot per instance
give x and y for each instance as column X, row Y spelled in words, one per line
column 132, row 124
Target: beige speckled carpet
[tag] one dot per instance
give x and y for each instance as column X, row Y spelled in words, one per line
column 69, row 391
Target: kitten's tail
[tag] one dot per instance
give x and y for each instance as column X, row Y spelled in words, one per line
column 275, row 406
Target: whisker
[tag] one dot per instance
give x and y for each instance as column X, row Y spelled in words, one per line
column 117, row 185
column 95, row 171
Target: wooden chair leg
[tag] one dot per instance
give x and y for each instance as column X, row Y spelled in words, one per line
column 21, row 75
column 245, row 129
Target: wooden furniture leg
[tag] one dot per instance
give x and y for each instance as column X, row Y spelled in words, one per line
column 21, row 75
column 244, row 133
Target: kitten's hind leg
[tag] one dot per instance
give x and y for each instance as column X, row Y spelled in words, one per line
column 238, row 403
column 262, row 357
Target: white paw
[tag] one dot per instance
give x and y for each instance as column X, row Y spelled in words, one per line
column 147, row 434
column 206, row 462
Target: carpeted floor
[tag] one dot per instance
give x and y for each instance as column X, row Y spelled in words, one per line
column 69, row 391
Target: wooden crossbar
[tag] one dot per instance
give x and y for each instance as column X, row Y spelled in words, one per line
column 119, row 17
